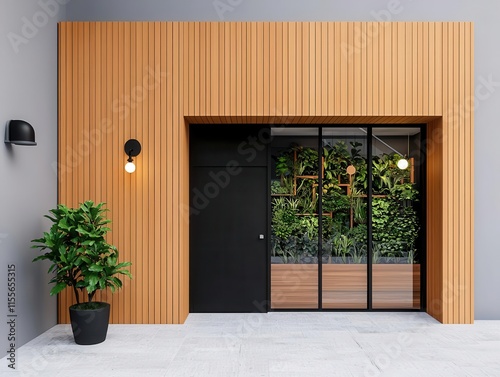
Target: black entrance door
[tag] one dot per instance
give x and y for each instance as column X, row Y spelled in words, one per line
column 228, row 223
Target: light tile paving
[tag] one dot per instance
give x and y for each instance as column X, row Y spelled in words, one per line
column 273, row 345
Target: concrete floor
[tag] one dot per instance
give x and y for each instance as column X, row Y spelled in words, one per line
column 273, row 344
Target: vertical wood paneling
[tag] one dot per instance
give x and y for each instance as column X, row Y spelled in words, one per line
column 175, row 145
column 344, row 56
column 140, row 80
column 374, row 97
column 469, row 176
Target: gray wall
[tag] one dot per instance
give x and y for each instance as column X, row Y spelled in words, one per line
column 28, row 186
column 487, row 68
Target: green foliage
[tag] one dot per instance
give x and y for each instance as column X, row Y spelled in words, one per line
column 327, row 227
column 342, row 246
column 284, row 163
column 361, row 177
column 293, row 248
column 395, row 226
column 334, row 198
column 280, row 188
column 404, row 191
column 359, row 234
column 307, row 159
column 295, row 220
column 284, row 222
column 80, row 256
column 359, row 209
column 309, row 226
column 386, row 174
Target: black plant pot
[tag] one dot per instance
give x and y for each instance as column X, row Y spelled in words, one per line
column 89, row 322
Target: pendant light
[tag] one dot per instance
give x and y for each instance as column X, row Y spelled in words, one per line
column 403, row 162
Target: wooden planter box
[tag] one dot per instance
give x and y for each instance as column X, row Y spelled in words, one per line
column 344, row 286
column 295, row 286
column 396, row 286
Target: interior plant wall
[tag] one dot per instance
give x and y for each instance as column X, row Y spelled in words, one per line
column 149, row 80
column 395, row 245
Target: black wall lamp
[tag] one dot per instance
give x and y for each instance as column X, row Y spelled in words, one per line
column 19, row 132
column 132, row 149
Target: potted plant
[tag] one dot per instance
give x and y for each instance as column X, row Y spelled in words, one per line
column 83, row 260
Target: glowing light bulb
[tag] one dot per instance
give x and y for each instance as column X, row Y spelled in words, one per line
column 403, row 164
column 130, row 167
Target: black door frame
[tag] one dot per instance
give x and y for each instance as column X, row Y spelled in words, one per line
column 422, row 210
column 246, row 161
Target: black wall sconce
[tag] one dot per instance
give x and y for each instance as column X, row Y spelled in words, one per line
column 132, row 149
column 19, row 132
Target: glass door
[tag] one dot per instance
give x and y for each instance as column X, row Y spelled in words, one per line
column 294, row 218
column 396, row 225
column 344, row 224
column 346, row 209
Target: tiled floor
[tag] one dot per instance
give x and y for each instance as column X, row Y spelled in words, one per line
column 274, row 344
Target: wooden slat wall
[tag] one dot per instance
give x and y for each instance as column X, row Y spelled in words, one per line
column 277, row 72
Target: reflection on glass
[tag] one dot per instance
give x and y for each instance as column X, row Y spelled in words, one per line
column 396, row 226
column 344, row 232
column 294, row 221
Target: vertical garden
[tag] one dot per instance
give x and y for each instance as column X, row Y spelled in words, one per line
column 340, row 170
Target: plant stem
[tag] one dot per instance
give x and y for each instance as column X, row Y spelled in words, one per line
column 77, row 295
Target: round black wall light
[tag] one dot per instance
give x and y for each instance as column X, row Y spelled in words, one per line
column 132, row 149
column 19, row 132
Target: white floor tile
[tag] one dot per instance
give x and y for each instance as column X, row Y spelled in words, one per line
column 273, row 345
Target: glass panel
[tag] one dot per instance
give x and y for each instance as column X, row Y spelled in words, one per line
column 344, row 231
column 294, row 221
column 395, row 218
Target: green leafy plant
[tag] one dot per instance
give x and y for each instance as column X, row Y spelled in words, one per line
column 308, row 160
column 342, row 246
column 291, row 251
column 80, row 256
column 285, row 172
column 358, row 206
column 394, row 219
column 278, row 189
column 284, row 222
column 309, row 226
column 395, row 226
column 358, row 253
column 404, row 191
column 359, row 234
column 308, row 203
column 386, row 174
column 334, row 198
